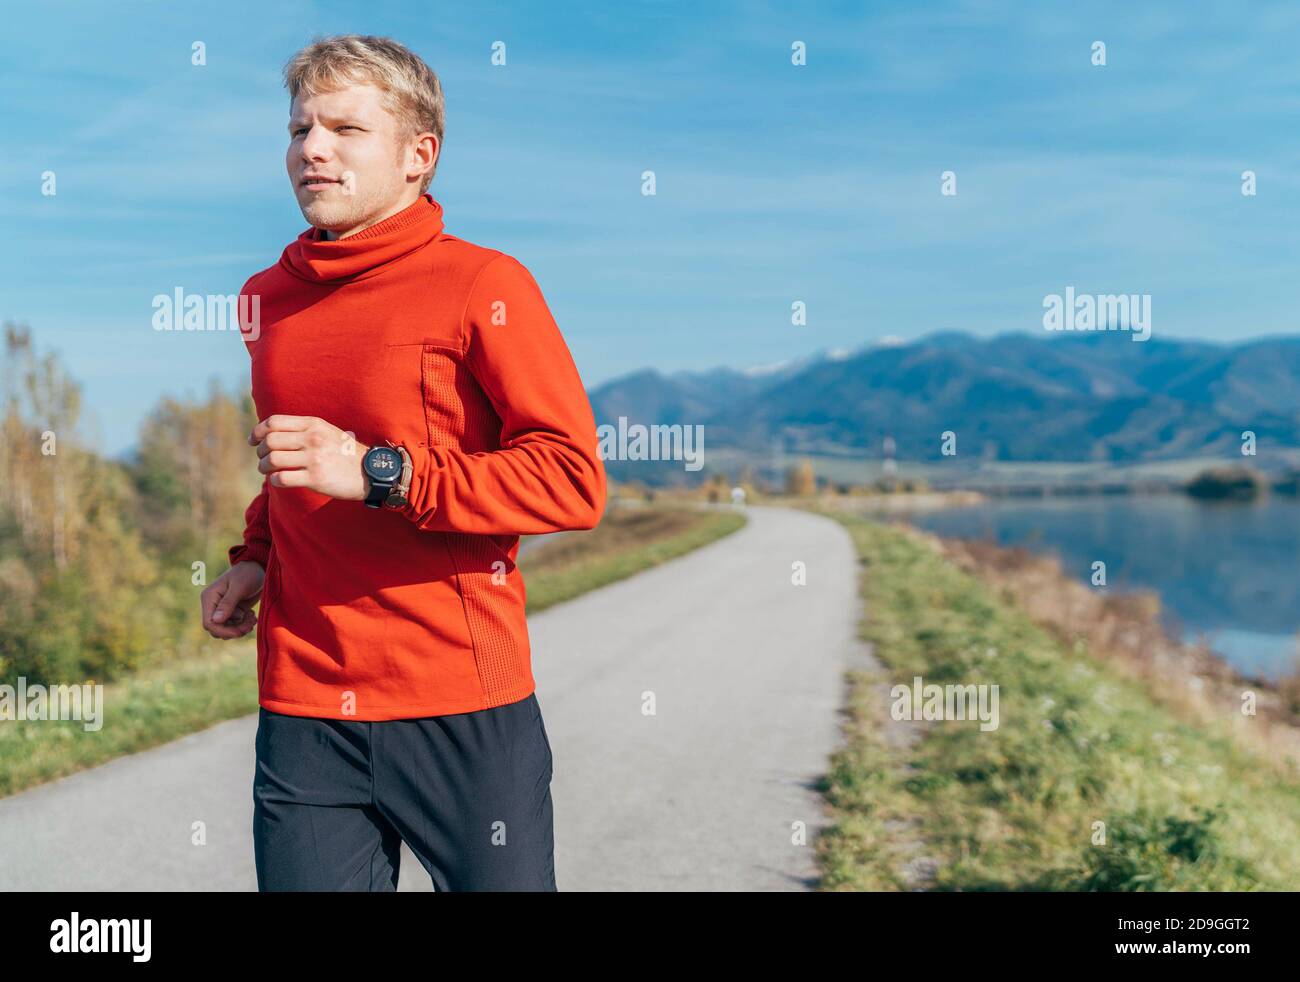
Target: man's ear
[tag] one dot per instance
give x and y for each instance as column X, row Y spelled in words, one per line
column 427, row 147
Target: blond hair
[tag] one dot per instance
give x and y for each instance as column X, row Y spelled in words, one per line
column 411, row 89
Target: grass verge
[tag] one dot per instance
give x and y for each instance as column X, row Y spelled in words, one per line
column 1088, row 782
column 619, row 547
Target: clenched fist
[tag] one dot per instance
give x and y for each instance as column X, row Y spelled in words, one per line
column 308, row 452
column 228, row 603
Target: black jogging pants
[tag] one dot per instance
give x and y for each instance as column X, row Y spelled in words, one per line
column 469, row 793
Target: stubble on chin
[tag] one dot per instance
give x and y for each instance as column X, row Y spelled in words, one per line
column 330, row 215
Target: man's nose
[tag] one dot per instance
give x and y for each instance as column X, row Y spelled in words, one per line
column 315, row 145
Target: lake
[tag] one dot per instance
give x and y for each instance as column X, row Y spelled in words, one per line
column 1225, row 571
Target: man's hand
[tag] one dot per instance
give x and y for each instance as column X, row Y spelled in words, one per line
column 307, row 452
column 228, row 603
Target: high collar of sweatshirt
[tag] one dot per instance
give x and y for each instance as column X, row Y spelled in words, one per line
column 317, row 260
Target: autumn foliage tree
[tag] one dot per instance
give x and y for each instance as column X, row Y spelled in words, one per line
column 101, row 560
column 801, row 479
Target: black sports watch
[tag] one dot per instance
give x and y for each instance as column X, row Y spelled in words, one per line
column 389, row 470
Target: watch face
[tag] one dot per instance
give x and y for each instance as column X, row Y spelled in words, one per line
column 382, row 464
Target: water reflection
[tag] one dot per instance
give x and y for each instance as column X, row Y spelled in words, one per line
column 1226, row 571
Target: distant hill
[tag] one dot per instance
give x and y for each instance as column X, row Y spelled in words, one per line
column 1014, row 397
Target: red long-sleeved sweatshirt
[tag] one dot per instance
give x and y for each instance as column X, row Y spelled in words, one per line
column 402, row 332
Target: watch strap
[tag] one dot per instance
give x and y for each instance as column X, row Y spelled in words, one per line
column 397, row 494
column 379, row 491
column 379, row 488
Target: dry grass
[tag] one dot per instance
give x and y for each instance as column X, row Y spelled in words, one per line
column 621, row 529
column 629, row 539
column 1125, row 630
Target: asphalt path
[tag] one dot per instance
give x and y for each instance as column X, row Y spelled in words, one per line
column 691, row 711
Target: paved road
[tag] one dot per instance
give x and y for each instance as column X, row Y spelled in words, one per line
column 705, row 793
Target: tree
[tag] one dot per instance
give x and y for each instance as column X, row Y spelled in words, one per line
column 801, row 479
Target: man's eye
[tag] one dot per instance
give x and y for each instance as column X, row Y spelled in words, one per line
column 347, row 126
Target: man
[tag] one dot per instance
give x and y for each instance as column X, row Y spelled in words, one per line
column 419, row 411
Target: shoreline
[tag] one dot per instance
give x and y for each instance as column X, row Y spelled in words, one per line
column 1126, row 630
column 1103, row 725
column 902, row 506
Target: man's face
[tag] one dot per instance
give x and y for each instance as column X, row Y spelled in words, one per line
column 349, row 143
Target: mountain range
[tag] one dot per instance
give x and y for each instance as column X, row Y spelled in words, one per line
column 1085, row 396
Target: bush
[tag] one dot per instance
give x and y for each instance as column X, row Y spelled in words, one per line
column 1227, row 483
column 1147, row 851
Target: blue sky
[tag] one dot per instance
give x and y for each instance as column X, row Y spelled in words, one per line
column 775, row 183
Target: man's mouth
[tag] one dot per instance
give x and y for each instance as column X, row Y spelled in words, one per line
column 317, row 182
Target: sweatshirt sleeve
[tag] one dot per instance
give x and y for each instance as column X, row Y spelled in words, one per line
column 257, row 531
column 547, row 476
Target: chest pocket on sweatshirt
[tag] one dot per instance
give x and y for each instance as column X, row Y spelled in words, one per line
column 444, row 411
column 457, row 412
